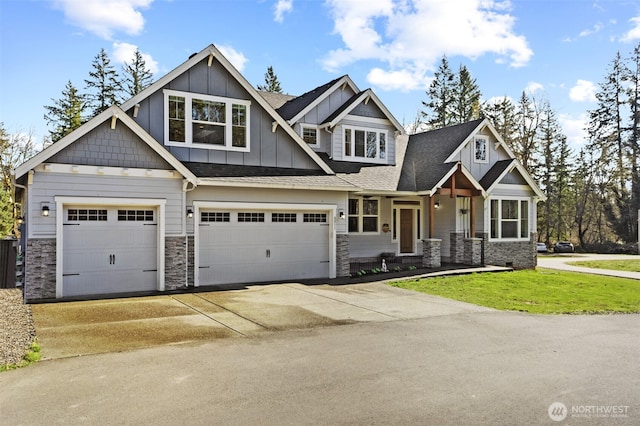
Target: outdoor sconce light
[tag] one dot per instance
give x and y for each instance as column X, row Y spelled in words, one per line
column 20, row 220
column 189, row 212
column 341, row 214
column 44, row 211
column 436, row 205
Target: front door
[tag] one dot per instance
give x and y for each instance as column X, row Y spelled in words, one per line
column 406, row 231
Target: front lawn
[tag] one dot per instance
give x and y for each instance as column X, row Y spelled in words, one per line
column 540, row 291
column 629, row 265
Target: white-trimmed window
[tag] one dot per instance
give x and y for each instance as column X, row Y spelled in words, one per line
column 310, row 135
column 364, row 214
column 480, row 149
column 365, row 144
column 205, row 121
column 509, row 219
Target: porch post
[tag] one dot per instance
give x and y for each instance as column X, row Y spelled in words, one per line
column 432, row 216
column 472, row 217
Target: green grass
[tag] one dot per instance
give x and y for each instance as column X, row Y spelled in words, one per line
column 630, row 265
column 32, row 355
column 540, row 291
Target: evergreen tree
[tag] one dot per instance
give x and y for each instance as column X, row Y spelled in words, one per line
column 271, row 83
column 607, row 139
column 466, row 97
column 502, row 114
column 66, row 113
column 437, row 112
column 527, row 126
column 103, row 84
column 137, row 76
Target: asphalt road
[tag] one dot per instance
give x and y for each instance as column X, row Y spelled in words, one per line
column 466, row 368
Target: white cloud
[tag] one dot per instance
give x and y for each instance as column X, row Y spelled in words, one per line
column 583, row 91
column 533, row 87
column 282, row 7
column 104, row 17
column 414, row 35
column 123, row 52
column 574, row 128
column 403, row 80
column 236, row 58
column 633, row 33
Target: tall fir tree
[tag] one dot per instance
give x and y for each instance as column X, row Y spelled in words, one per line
column 103, row 84
column 502, row 114
column 527, row 127
column 136, row 76
column 66, row 113
column 466, row 97
column 607, row 139
column 437, row 110
column 271, row 83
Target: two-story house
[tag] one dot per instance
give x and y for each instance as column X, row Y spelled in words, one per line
column 201, row 180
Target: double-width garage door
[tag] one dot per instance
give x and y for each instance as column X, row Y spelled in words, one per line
column 237, row 246
column 109, row 250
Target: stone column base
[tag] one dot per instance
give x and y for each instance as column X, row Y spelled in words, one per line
column 431, row 256
column 473, row 251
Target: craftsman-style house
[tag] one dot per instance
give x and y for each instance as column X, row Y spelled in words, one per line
column 201, row 180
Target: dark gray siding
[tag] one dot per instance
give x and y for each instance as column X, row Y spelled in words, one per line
column 266, row 148
column 368, row 110
column 111, row 148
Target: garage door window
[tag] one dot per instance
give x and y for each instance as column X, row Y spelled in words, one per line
column 215, row 217
column 315, row 217
column 135, row 215
column 283, row 217
column 82, row 215
column 250, row 217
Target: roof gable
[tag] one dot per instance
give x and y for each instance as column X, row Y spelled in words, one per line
column 112, row 115
column 210, row 54
column 296, row 108
column 356, row 100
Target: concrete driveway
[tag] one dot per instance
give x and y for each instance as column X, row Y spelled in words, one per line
column 98, row 326
column 562, row 262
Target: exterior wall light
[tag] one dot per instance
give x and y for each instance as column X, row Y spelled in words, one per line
column 44, row 211
column 189, row 212
column 341, row 214
column 437, row 205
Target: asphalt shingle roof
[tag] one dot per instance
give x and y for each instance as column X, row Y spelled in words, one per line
column 207, row 170
column 494, row 173
column 424, row 164
column 294, row 106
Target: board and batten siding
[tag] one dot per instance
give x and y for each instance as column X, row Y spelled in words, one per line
column 267, row 149
column 467, row 156
column 47, row 185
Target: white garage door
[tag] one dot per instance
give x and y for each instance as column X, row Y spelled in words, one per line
column 109, row 250
column 256, row 246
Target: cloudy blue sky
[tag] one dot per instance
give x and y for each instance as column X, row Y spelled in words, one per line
column 555, row 49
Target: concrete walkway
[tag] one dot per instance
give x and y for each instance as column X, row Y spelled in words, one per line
column 561, row 262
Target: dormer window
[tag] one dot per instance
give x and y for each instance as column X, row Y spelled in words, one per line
column 310, row 135
column 204, row 121
column 365, row 144
column 480, row 145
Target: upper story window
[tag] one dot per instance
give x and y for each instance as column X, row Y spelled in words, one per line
column 365, row 144
column 310, row 135
column 206, row 121
column 510, row 219
column 480, row 150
